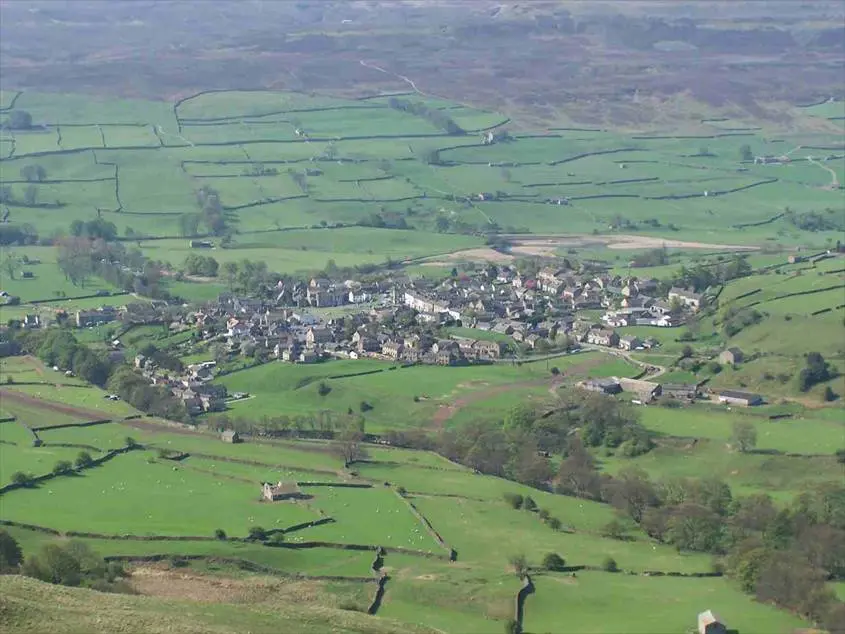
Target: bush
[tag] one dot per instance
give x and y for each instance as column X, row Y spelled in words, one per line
column 402, row 491
column 553, row 561
column 614, row 529
column 515, row 500
column 609, row 565
column 544, row 514
column 555, row 371
column 62, row 467
column 256, row 533
column 219, row 533
column 365, row 406
column 10, row 552
column 512, row 627
column 714, row 367
column 83, row 460
column 519, row 565
column 22, row 479
column 554, row 523
column 277, row 538
column 323, row 388
column 529, row 504
column 829, row 394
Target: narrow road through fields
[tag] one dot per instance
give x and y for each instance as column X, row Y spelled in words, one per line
column 834, row 177
column 34, row 401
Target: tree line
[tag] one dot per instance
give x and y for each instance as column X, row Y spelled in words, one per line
column 58, row 347
column 436, row 117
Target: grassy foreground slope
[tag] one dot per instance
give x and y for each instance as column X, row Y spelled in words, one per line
column 30, row 606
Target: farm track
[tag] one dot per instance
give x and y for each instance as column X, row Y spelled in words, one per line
column 26, row 399
column 445, row 412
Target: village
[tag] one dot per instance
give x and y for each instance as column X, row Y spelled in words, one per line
column 496, row 314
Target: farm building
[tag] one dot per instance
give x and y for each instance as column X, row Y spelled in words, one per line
column 230, row 436
column 737, row 397
column 680, row 391
column 629, row 342
column 280, row 491
column 201, row 244
column 709, row 623
column 685, row 297
column 604, row 386
column 645, row 391
column 86, row 318
column 731, row 356
column 603, row 337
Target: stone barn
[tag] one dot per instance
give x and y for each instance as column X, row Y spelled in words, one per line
column 230, row 436
column 710, row 623
column 280, row 491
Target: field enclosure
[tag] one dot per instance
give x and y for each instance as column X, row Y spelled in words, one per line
column 283, row 160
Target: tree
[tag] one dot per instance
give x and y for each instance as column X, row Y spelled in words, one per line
column 744, row 436
column 745, row 153
column 323, row 388
column 10, row 552
column 519, row 565
column 131, row 442
column 62, row 467
column 30, row 195
column 829, row 394
column 189, row 225
column 33, row 173
column 615, row 529
column 695, row 527
column 10, row 265
column 83, row 460
column 256, row 533
column 817, row 370
column 632, row 492
column 349, row 446
column 553, row 561
column 54, row 564
column 514, row 500
column 230, row 273
column 18, row 120
column 609, row 565
column 22, row 479
column 219, row 533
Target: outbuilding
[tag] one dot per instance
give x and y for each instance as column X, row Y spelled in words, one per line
column 230, row 436
column 737, row 397
column 710, row 623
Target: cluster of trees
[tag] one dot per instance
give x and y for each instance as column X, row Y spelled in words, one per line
column 212, row 213
column 161, row 357
column 520, row 448
column 247, row 276
column 18, row 120
column 28, row 199
column 385, row 221
column 816, row 221
column 300, row 179
column 59, row 347
column 203, row 265
column 93, row 229
column 325, row 424
column 257, row 169
column 653, row 257
column 21, row 235
column 816, row 370
column 71, row 563
column 436, row 117
column 702, row 276
column 33, row 173
column 735, row 319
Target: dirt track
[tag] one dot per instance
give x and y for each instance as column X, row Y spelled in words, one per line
column 445, row 412
column 25, row 399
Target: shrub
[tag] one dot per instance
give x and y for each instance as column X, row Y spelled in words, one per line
column 365, row 406
column 219, row 533
column 555, row 371
column 519, row 565
column 83, row 460
column 10, row 552
column 614, row 529
column 62, row 467
column 529, row 504
column 256, row 533
column 609, row 565
column 402, row 491
column 553, row 561
column 22, row 479
column 714, row 367
column 554, row 523
column 515, row 500
column 131, row 442
column 544, row 514
column 512, row 627
column 277, row 538
column 323, row 388
column 829, row 394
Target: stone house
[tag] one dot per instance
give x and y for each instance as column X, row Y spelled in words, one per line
column 603, row 337
column 316, row 336
column 685, row 297
column 629, row 342
column 488, row 349
column 645, row 391
column 603, row 386
column 392, row 349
